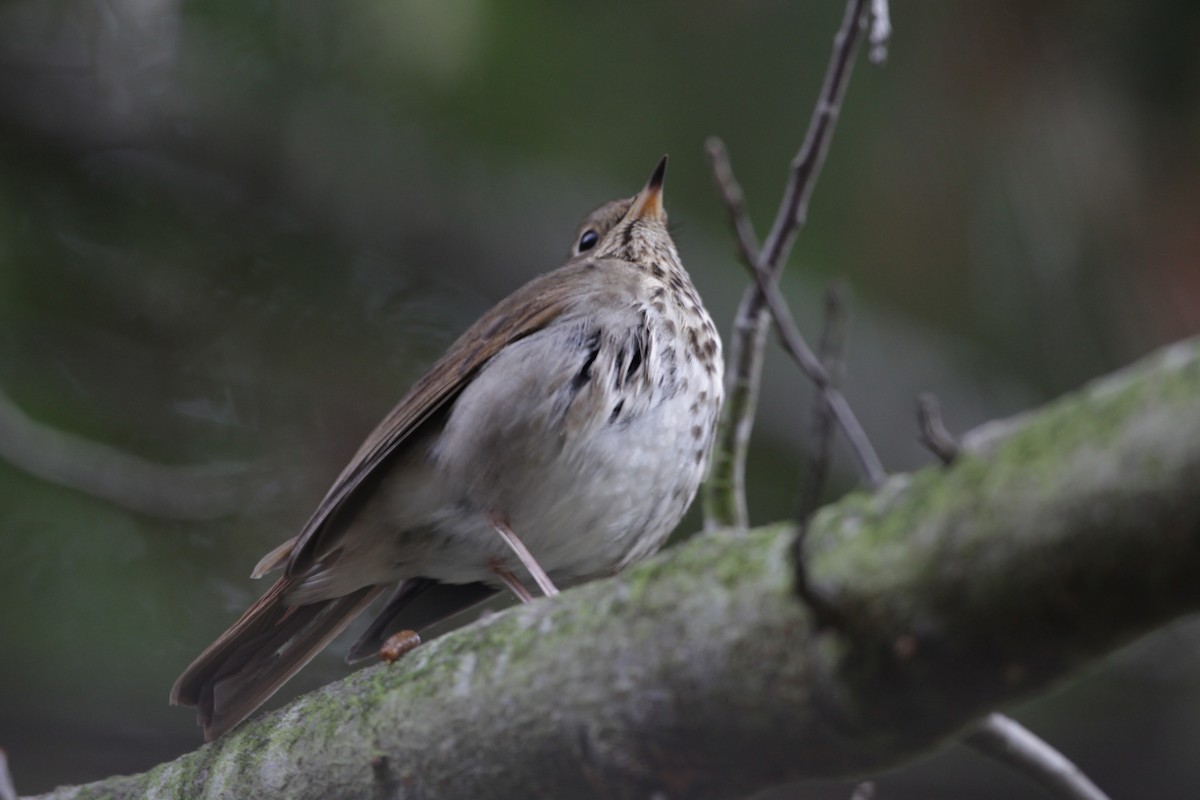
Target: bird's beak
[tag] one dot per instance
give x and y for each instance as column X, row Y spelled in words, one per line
column 648, row 204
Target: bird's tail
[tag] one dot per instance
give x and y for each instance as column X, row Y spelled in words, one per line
column 269, row 644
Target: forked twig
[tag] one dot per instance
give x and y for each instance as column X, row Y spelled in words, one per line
column 724, row 496
column 792, row 340
column 998, row 736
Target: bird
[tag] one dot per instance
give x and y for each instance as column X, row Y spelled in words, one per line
column 560, row 439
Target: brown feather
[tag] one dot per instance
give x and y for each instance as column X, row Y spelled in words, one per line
column 274, row 639
column 250, row 661
column 522, row 313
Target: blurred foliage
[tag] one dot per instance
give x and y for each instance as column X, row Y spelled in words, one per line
column 235, row 232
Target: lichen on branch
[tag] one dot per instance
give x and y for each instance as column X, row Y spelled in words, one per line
column 1050, row 541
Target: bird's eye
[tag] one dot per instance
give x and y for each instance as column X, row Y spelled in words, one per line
column 588, row 240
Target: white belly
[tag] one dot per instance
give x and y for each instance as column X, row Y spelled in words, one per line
column 586, row 494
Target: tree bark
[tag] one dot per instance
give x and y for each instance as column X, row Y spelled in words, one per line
column 1053, row 539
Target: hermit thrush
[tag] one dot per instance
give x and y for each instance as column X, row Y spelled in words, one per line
column 561, row 438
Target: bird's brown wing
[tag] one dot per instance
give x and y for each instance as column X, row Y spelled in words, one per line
column 276, row 637
column 522, row 313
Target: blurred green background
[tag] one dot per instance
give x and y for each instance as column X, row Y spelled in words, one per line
column 231, row 234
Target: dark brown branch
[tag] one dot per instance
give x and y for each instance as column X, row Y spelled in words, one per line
column 832, row 342
column 832, row 345
column 1014, row 745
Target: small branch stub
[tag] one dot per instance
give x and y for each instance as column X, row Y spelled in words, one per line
column 933, row 432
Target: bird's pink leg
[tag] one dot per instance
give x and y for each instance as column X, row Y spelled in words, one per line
column 514, row 585
column 522, row 553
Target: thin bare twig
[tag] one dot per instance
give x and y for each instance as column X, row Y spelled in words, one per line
column 724, row 495
column 723, row 505
column 168, row 491
column 998, row 736
column 933, row 432
column 832, row 343
column 792, row 340
column 806, row 166
column 794, row 344
column 832, row 346
column 1006, row 740
column 734, row 200
column 881, row 31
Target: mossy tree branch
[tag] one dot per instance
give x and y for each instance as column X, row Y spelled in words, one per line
column 1052, row 539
